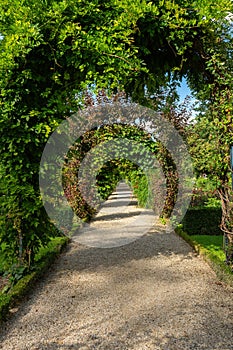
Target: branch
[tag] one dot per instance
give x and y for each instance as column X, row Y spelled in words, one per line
column 120, row 58
column 169, row 44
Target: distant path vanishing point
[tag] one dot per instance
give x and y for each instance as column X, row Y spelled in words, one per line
column 119, row 221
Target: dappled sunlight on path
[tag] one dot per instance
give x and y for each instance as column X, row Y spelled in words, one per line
column 153, row 293
column 118, row 222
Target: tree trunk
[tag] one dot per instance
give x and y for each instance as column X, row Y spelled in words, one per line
column 226, row 225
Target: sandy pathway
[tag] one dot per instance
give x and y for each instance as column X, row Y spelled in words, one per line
column 153, row 293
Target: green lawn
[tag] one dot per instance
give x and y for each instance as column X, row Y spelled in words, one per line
column 211, row 248
column 213, row 244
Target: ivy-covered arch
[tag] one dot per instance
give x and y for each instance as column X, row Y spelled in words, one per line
column 52, row 51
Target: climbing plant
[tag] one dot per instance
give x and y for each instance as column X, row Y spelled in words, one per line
column 49, row 52
column 212, row 137
column 53, row 51
column 111, row 171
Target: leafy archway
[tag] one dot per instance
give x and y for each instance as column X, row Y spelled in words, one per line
column 54, row 51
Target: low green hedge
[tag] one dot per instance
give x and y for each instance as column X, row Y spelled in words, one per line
column 214, row 259
column 11, row 294
column 204, row 221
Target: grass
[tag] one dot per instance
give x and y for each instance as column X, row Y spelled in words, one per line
column 210, row 248
column 51, row 247
column 213, row 244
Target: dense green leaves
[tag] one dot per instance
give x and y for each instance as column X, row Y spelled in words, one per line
column 53, row 51
column 212, row 135
column 125, row 162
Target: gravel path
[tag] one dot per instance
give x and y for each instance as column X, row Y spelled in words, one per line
column 153, row 293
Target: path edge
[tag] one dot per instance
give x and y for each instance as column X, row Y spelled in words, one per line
column 17, row 292
column 222, row 271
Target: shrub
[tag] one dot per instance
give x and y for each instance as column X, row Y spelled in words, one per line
column 203, row 221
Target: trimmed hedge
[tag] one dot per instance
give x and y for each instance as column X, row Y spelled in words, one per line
column 223, row 271
column 19, row 290
column 204, row 221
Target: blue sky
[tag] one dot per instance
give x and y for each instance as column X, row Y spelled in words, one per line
column 183, row 90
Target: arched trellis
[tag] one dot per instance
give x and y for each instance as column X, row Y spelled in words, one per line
column 50, row 53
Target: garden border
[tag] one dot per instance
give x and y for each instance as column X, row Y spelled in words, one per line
column 16, row 293
column 223, row 272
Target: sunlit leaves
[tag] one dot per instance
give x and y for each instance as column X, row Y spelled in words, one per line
column 53, row 50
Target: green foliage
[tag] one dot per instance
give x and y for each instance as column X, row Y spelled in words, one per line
column 205, row 193
column 209, row 248
column 52, row 51
column 203, row 221
column 16, row 273
column 212, row 133
column 5, row 301
column 206, row 184
column 108, row 178
column 49, row 52
column 212, row 243
column 47, row 253
column 110, row 172
column 21, row 280
column 140, row 187
column 212, row 203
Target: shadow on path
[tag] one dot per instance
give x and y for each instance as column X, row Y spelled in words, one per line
column 153, row 293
